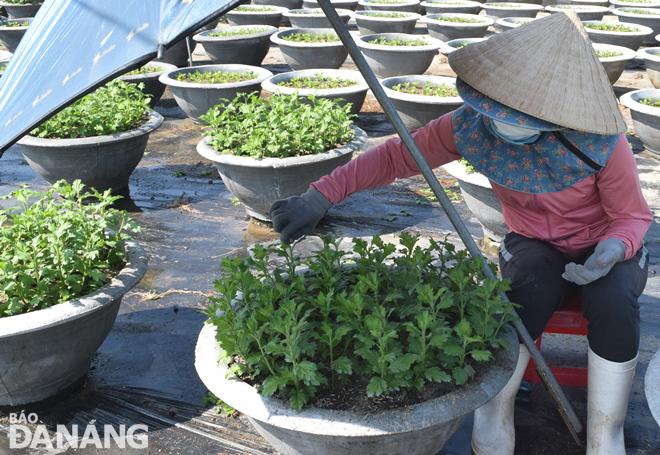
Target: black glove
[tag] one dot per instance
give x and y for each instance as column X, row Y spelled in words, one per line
column 296, row 216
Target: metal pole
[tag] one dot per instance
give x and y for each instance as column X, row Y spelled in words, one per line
column 565, row 408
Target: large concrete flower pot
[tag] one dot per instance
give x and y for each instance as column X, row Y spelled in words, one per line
column 481, row 200
column 259, row 183
column 410, row 6
column 584, row 12
column 417, row 110
column 314, row 17
column 499, row 10
column 248, row 49
column 152, row 85
column 11, row 36
column 46, row 351
column 195, row 99
column 651, row 56
column 256, row 15
column 307, row 55
column 420, row 429
column 451, row 6
column 614, row 65
column 632, row 3
column 20, row 11
column 390, row 61
column 102, row 162
column 507, row 23
column 632, row 40
column 369, row 23
column 649, row 17
column 177, row 54
column 354, row 94
column 452, row 45
column 646, row 119
column 446, row 30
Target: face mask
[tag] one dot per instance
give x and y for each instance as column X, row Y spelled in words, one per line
column 512, row 133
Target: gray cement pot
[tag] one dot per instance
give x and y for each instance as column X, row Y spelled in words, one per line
column 501, row 9
column 249, row 49
column 354, row 94
column 410, row 6
column 11, row 36
column 650, row 19
column 152, row 86
column 605, row 3
column 256, row 17
column 102, row 162
column 46, row 351
column 349, row 5
column 506, row 23
column 450, row 6
column 368, row 24
column 445, row 30
column 584, row 12
column 302, row 56
column 631, row 40
column 18, row 11
column 651, row 56
column 177, row 54
column 646, row 119
column 632, row 4
column 481, row 200
column 417, row 110
column 196, row 99
column 420, row 429
column 314, row 17
column 288, row 4
column 259, row 183
column 452, row 45
column 614, row 66
column 390, row 61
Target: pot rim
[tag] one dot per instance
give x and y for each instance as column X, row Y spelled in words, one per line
column 643, row 29
column 245, row 398
column 203, row 37
column 448, row 47
column 629, row 100
column 155, row 119
column 278, row 10
column 208, row 152
column 647, row 54
column 523, row 7
column 628, row 4
column 388, row 82
column 580, row 9
column 484, row 21
column 276, row 38
column 397, row 4
column 362, row 42
column 270, row 84
column 21, row 28
column 137, row 77
column 621, row 12
column 628, row 54
column 450, row 3
column 119, row 285
column 167, row 79
column 11, row 5
column 292, row 12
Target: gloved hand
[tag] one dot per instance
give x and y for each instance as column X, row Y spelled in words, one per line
column 296, row 216
column 607, row 253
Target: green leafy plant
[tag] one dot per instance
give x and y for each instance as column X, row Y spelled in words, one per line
column 216, row 77
column 506, row 5
column 315, row 11
column 146, row 69
column 211, row 400
column 387, row 14
column 396, row 318
column 279, row 127
column 3, row 65
column 611, row 27
column 469, row 169
column 606, row 54
column 653, row 102
column 15, row 24
column 254, row 9
column 399, row 42
column 58, row 245
column 638, row 1
column 114, row 108
column 572, row 7
column 640, row 11
column 318, row 81
column 240, row 31
column 414, row 88
column 387, row 2
column 459, row 19
column 299, row 37
column 23, row 2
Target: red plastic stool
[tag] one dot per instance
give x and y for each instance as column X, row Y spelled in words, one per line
column 567, row 320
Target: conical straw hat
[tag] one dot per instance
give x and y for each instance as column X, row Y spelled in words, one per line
column 547, row 69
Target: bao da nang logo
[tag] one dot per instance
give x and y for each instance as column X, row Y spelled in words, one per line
column 22, row 436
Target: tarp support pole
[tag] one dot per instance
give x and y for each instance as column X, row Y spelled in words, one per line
column 565, row 408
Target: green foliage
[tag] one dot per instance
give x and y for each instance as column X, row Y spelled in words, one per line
column 24, row 2
column 311, row 37
column 653, row 102
column 113, row 108
column 606, row 54
column 253, row 9
column 469, row 169
column 216, row 77
column 54, row 249
column 610, row 27
column 318, row 81
column 240, row 31
column 640, row 11
column 394, row 318
column 15, row 24
column 506, row 5
column 211, row 400
column 279, row 127
column 146, row 69
column 414, row 88
column 3, row 65
column 459, row 19
column 399, row 42
column 388, row 14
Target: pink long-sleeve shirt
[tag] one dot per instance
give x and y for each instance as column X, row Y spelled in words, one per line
column 608, row 204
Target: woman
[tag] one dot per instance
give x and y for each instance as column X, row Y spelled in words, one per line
column 540, row 120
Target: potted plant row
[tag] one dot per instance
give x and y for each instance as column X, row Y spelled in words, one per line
column 648, row 17
column 372, row 22
column 99, row 139
column 398, row 54
column 66, row 261
column 12, row 31
column 377, row 348
column 409, row 6
column 624, row 34
column 311, row 48
column 271, row 149
column 21, row 9
column 241, row 44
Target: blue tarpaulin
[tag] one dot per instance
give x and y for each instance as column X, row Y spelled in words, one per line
column 74, row 46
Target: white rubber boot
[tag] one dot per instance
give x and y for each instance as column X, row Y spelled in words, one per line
column 608, row 392
column 493, row 432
